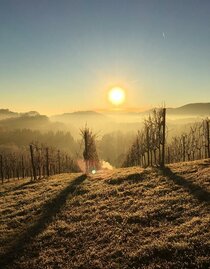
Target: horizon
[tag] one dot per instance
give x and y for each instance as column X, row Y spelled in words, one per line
column 111, row 110
column 56, row 56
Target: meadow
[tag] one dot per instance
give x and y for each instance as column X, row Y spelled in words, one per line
column 121, row 218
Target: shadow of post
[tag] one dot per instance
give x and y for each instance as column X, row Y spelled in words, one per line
column 49, row 211
column 201, row 194
column 16, row 188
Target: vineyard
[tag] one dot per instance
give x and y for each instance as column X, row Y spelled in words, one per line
column 40, row 161
column 37, row 162
column 152, row 148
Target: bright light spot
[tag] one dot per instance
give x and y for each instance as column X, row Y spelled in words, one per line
column 93, row 172
column 116, row 96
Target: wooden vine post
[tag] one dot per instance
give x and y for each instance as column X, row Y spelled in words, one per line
column 208, row 138
column 22, row 167
column 32, row 162
column 148, row 145
column 184, row 147
column 59, row 162
column 164, row 136
column 1, row 169
column 47, row 162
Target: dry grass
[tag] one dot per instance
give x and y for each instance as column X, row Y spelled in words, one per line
column 125, row 218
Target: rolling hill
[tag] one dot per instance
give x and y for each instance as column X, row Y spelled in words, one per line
column 195, row 109
column 121, row 218
column 178, row 119
column 80, row 118
column 106, row 121
column 30, row 120
column 6, row 113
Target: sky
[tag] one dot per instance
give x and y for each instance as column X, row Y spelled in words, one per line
column 61, row 56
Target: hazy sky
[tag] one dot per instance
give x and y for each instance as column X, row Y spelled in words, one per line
column 58, row 56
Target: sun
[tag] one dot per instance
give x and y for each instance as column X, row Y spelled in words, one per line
column 116, row 96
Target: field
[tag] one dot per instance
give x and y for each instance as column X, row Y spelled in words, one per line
column 121, row 218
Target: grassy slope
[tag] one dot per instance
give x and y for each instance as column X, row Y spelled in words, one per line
column 125, row 218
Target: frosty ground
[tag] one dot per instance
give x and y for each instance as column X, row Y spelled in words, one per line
column 121, row 218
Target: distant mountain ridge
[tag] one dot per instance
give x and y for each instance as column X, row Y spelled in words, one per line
column 199, row 109
column 78, row 119
column 6, row 113
column 104, row 122
column 28, row 120
column 193, row 109
column 88, row 113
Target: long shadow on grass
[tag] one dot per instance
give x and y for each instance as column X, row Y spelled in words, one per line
column 49, row 211
column 194, row 189
column 17, row 188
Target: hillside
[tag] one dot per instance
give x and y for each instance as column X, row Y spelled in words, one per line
column 6, row 113
column 106, row 122
column 195, row 109
column 189, row 110
column 80, row 118
column 31, row 121
column 123, row 218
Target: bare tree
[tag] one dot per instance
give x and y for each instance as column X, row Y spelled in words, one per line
column 90, row 152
